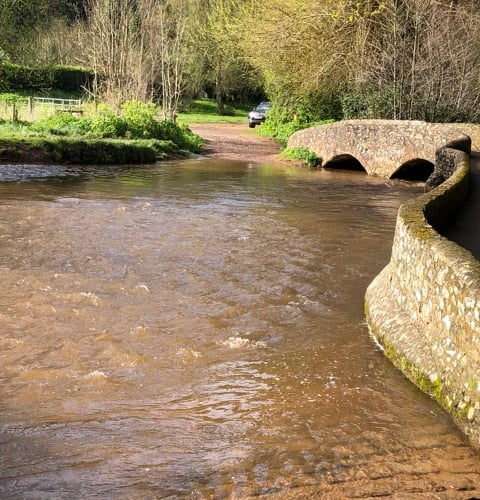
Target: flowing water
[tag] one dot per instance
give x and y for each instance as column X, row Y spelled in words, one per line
column 195, row 329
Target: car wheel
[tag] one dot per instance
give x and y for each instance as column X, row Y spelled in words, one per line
column 251, row 125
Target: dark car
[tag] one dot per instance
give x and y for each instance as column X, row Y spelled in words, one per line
column 257, row 116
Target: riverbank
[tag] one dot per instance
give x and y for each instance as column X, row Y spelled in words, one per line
column 221, row 140
column 85, row 151
column 136, row 136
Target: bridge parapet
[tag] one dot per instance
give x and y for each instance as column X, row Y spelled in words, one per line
column 424, row 307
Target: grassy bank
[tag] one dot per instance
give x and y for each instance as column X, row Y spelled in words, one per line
column 101, row 137
column 71, row 150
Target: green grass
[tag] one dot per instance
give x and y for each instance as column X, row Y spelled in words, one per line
column 68, row 150
column 27, row 142
column 205, row 111
column 63, row 138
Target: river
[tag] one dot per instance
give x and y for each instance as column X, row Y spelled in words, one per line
column 195, row 329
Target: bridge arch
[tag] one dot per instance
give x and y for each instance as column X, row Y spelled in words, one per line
column 345, row 162
column 417, row 169
column 384, row 148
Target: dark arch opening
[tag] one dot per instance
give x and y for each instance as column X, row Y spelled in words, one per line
column 345, row 162
column 414, row 170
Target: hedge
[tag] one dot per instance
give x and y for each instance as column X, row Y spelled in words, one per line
column 14, row 77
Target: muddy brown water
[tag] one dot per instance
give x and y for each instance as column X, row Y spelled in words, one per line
column 195, row 330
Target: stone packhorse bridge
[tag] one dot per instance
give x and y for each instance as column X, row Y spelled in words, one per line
column 387, row 148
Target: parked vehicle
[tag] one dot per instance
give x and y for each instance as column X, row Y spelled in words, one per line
column 258, row 114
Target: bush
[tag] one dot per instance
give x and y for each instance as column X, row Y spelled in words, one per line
column 368, row 103
column 181, row 135
column 106, row 123
column 10, row 98
column 71, row 78
column 62, row 124
column 281, row 123
column 140, row 120
column 137, row 122
column 291, row 114
column 302, row 154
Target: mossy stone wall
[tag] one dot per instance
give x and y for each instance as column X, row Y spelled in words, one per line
column 424, row 307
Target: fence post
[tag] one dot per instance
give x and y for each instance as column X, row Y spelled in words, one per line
column 14, row 112
column 30, row 105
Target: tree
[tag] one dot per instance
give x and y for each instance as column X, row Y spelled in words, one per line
column 222, row 64
column 301, row 48
column 138, row 49
column 171, row 27
column 19, row 22
column 421, row 60
column 403, row 59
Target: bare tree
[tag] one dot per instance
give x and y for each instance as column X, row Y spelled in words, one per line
column 422, row 60
column 137, row 49
column 171, row 28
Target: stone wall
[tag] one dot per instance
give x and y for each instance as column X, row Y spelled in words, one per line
column 381, row 146
column 424, row 307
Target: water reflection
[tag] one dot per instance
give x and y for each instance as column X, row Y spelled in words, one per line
column 196, row 329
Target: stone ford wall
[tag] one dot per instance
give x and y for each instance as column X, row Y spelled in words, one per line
column 424, row 307
column 381, row 146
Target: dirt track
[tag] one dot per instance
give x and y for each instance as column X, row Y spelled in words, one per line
column 236, row 141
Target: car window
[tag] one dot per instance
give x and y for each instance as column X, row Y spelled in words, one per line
column 264, row 106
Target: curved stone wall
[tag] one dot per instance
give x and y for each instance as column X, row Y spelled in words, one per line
column 382, row 147
column 424, row 307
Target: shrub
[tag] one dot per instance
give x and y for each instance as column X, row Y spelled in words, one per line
column 302, row 154
column 71, row 78
column 106, row 123
column 11, row 98
column 141, row 123
column 62, row 124
column 137, row 122
column 281, row 123
column 140, row 120
column 181, row 135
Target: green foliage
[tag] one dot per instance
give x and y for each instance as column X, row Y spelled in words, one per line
column 137, row 122
column 302, row 154
column 85, row 151
column 181, row 135
column 91, row 151
column 71, row 78
column 363, row 102
column 140, row 120
column 106, row 123
column 68, row 78
column 11, row 98
column 283, row 121
column 367, row 102
column 62, row 124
